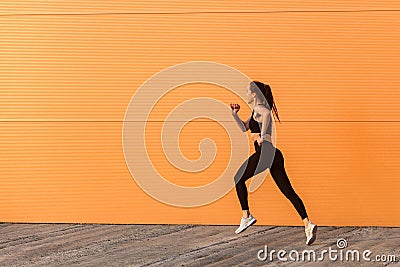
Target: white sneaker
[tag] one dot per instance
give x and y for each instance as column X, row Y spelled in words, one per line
column 311, row 233
column 244, row 223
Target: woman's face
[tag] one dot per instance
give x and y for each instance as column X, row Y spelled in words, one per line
column 250, row 96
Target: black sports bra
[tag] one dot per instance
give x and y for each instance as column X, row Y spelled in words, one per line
column 255, row 125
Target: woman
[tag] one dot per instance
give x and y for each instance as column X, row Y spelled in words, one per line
column 261, row 99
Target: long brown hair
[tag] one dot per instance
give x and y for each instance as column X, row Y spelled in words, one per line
column 267, row 93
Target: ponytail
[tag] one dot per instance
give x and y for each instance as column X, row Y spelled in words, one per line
column 270, row 100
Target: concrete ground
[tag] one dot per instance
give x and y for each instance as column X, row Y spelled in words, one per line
column 192, row 245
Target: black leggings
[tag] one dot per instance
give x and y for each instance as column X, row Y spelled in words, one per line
column 259, row 162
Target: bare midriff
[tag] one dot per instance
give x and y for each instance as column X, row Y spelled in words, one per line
column 255, row 136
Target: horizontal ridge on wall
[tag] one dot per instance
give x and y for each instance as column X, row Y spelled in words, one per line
column 160, row 7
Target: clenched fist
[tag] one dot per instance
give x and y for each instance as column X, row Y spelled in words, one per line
column 235, row 107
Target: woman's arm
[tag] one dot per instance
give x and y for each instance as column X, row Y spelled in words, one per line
column 265, row 120
column 244, row 126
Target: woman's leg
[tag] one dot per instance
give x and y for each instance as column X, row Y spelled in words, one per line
column 256, row 163
column 245, row 172
column 281, row 179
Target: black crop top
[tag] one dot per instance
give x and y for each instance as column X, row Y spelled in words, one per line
column 255, row 125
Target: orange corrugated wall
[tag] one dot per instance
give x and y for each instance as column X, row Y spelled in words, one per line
column 68, row 70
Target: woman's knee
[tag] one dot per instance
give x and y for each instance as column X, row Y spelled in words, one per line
column 291, row 195
column 240, row 180
column 244, row 173
column 240, row 184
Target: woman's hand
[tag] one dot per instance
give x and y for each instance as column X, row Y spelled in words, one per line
column 259, row 140
column 235, row 107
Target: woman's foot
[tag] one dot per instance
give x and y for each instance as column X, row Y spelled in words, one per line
column 245, row 223
column 311, row 233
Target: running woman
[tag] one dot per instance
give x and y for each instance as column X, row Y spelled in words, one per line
column 265, row 156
